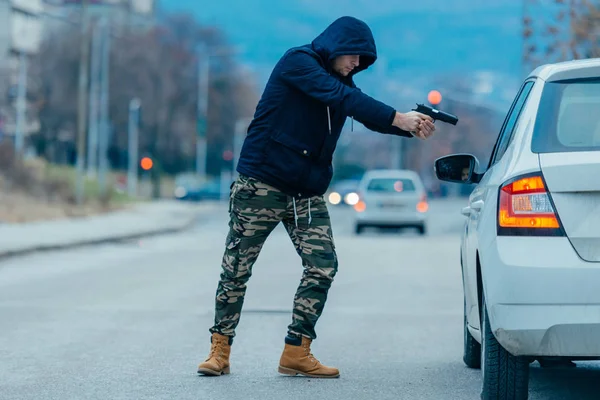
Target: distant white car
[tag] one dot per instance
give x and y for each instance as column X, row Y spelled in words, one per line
column 393, row 199
column 530, row 252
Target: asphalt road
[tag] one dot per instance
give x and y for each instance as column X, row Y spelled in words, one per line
column 130, row 321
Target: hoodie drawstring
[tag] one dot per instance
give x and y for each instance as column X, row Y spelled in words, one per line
column 296, row 212
column 329, row 119
column 352, row 126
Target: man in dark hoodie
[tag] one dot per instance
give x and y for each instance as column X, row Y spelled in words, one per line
column 285, row 167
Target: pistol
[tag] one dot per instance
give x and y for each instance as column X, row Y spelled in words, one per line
column 436, row 114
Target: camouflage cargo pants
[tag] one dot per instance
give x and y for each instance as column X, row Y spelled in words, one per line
column 255, row 210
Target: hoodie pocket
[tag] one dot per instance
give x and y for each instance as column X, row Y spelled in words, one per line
column 293, row 144
column 288, row 159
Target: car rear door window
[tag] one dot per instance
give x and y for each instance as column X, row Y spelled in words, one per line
column 568, row 118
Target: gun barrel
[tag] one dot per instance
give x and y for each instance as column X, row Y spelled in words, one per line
column 437, row 114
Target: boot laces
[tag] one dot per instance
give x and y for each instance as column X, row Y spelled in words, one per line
column 216, row 350
column 310, row 355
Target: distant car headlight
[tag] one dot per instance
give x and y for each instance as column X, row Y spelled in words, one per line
column 351, row 199
column 180, row 192
column 335, row 198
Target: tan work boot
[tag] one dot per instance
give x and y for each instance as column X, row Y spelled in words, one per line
column 298, row 360
column 217, row 362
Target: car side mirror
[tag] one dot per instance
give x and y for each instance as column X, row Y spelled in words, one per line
column 459, row 168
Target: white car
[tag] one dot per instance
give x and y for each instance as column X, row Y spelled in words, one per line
column 391, row 199
column 530, row 251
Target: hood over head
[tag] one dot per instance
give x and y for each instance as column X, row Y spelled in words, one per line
column 347, row 36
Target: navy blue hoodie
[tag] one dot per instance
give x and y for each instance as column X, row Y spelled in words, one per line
column 299, row 118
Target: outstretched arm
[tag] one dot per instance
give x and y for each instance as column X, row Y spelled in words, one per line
column 390, row 129
column 401, row 124
column 303, row 72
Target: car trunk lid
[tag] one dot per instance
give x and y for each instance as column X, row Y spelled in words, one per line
column 573, row 182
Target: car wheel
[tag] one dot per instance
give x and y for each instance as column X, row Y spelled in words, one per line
column 358, row 229
column 472, row 348
column 422, row 229
column 505, row 377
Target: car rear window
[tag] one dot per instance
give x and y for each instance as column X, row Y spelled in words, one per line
column 568, row 117
column 391, row 185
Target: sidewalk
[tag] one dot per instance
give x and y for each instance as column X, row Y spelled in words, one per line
column 144, row 220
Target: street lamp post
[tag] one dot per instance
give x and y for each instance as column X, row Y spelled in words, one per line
column 105, row 129
column 202, row 117
column 92, row 152
column 204, row 56
column 241, row 126
column 21, row 104
column 134, row 120
column 82, row 109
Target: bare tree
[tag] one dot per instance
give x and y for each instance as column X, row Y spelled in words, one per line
column 158, row 65
column 586, row 31
column 560, row 31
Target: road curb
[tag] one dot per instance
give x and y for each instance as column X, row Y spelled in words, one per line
column 100, row 241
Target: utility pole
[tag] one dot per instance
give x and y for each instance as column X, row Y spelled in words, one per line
column 104, row 112
column 134, row 120
column 92, row 152
column 82, row 108
column 396, row 152
column 21, row 104
column 202, row 117
column 241, row 126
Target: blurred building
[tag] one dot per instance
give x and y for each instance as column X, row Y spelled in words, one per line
column 20, row 27
column 20, row 37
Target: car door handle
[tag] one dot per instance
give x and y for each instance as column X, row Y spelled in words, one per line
column 466, row 211
column 477, row 205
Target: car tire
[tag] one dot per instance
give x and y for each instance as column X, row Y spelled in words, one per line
column 358, row 229
column 472, row 348
column 422, row 229
column 505, row 377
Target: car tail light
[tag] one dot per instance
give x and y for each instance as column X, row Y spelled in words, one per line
column 360, row 206
column 422, row 205
column 525, row 209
